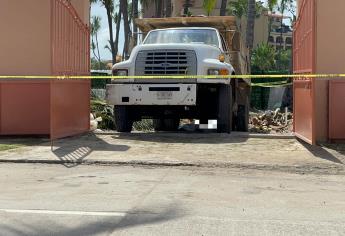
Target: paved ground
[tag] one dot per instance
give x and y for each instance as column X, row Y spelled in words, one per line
column 172, row 184
column 44, row 200
column 186, row 149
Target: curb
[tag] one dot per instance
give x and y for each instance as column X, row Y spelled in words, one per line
column 301, row 169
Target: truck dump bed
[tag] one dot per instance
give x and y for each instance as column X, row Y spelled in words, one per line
column 226, row 25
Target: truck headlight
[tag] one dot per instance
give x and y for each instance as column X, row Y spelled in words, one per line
column 213, row 72
column 121, row 72
column 218, row 72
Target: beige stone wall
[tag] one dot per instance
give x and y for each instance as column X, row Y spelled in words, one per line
column 261, row 30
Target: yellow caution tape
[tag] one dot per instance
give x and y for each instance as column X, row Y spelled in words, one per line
column 90, row 77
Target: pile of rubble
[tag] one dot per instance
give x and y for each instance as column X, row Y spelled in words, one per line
column 271, row 122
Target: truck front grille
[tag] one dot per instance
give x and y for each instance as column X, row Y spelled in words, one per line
column 166, row 62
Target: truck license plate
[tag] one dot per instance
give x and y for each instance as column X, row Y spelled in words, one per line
column 164, row 95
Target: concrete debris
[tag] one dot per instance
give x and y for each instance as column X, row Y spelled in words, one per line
column 94, row 122
column 271, row 122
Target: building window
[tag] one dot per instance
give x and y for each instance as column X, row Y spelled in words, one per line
column 271, row 39
column 288, row 40
column 279, row 40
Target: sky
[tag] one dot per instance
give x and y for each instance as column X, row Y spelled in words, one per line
column 103, row 36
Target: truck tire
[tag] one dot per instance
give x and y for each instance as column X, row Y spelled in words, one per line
column 224, row 122
column 123, row 121
column 166, row 124
column 242, row 118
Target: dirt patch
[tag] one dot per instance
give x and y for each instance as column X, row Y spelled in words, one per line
column 10, row 143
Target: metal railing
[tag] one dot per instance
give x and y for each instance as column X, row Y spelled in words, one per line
column 70, row 40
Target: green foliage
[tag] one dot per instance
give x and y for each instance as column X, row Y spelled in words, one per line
column 101, row 109
column 209, row 5
column 144, row 125
column 95, row 25
column 96, row 65
column 272, row 4
column 263, row 57
column 239, row 8
column 283, row 59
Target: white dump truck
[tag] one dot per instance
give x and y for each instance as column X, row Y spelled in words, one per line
column 178, row 47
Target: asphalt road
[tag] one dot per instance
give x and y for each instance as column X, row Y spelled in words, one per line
column 116, row 200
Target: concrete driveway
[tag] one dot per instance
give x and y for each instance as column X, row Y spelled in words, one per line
column 281, row 153
column 46, row 200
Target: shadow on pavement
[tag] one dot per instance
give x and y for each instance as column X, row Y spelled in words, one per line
column 105, row 225
column 193, row 138
column 322, row 152
column 72, row 151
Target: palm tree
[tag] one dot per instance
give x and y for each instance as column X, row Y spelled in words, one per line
column 223, row 7
column 209, row 5
column 135, row 14
column 126, row 25
column 239, row 8
column 109, row 6
column 95, row 27
column 117, row 19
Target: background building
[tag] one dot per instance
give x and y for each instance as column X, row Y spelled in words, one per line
column 196, row 9
column 281, row 35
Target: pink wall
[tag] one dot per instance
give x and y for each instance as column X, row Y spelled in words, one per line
column 25, row 37
column 35, row 106
column 330, row 37
column 83, row 9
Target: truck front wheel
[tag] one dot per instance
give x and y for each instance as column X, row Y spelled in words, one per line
column 224, row 109
column 123, row 121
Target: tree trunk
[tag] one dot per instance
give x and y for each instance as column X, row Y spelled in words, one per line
column 168, row 8
column 126, row 24
column 99, row 54
column 117, row 36
column 159, row 8
column 223, row 7
column 250, row 24
column 111, row 34
column 135, row 7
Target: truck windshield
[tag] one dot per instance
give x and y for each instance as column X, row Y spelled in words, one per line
column 201, row 36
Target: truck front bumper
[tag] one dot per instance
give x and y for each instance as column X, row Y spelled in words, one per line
column 151, row 94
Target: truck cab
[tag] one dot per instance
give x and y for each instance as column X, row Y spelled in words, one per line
column 176, row 52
